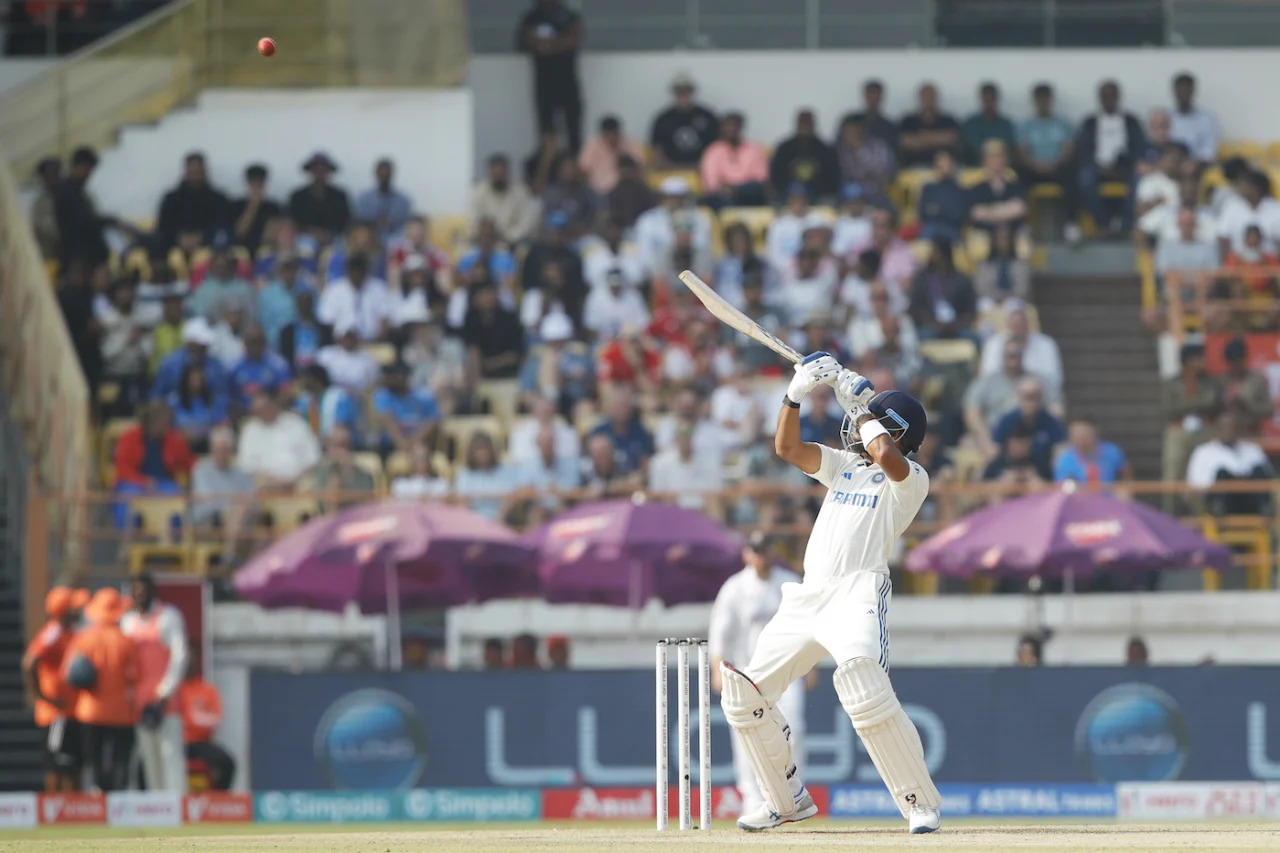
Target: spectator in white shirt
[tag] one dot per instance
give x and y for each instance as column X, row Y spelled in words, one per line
column 423, row 480
column 611, row 252
column 276, row 446
column 1226, row 458
column 866, row 329
column 613, row 306
column 514, row 210
column 523, row 443
column 1255, row 206
column 687, row 409
column 359, row 299
column 1192, row 126
column 1158, row 193
column 1040, row 353
column 687, row 474
column 655, row 232
column 349, row 366
column 785, row 235
column 808, row 285
column 1111, row 143
column 736, row 410
column 1163, row 221
column 853, row 226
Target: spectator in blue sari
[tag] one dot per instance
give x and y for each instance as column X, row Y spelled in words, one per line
column 197, row 408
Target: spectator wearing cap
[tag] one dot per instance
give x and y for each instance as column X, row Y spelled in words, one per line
column 152, row 457
column 557, row 371
column 197, row 338
column 260, row 368
column 43, row 213
column 324, row 405
column 599, row 157
column 897, row 261
column 1245, row 391
column 785, row 234
column 193, row 205
column 865, row 161
column 569, row 194
column 513, row 209
column 302, row 339
column 493, row 335
column 683, row 131
column 382, row 205
column 872, row 116
column 1046, row 432
column 80, row 225
column 853, row 224
column 922, row 134
column 319, row 207
column 998, row 203
column 734, row 170
column 1046, row 149
column 1191, row 125
column 222, row 290
column 276, row 446
column 1190, row 401
column 1109, row 146
column 406, row 415
column 1040, row 353
column 655, row 233
column 348, row 364
column 1254, row 205
column 360, row 301
column 684, row 475
column 551, row 33
column 806, row 159
column 631, row 195
column 248, row 216
column 1088, row 459
column 986, row 124
column 944, row 203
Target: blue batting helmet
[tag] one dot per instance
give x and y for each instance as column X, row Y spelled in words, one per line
column 900, row 413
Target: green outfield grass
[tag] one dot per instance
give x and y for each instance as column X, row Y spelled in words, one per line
column 597, row 837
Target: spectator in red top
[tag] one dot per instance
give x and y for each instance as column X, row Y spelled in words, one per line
column 151, row 458
column 630, row 359
column 49, row 695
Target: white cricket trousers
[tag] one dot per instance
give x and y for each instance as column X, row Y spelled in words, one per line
column 844, row 617
column 792, row 707
column 164, row 755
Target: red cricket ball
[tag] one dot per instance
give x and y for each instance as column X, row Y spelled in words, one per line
column 266, row 46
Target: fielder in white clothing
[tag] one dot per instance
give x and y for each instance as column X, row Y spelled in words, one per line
column 842, row 605
column 744, row 605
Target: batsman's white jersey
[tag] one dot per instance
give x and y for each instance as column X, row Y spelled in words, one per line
column 862, row 517
column 744, row 605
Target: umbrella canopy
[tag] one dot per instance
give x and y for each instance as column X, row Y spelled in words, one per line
column 441, row 556
column 624, row 553
column 1055, row 532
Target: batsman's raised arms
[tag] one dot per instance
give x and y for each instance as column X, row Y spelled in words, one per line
column 734, row 318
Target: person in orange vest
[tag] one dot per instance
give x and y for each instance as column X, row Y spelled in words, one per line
column 49, row 695
column 161, row 637
column 102, row 663
column 201, row 707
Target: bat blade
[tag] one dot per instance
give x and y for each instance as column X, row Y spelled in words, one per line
column 734, row 318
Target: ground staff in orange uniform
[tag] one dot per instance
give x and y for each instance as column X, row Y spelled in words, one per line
column 49, row 695
column 161, row 637
column 201, row 707
column 103, row 664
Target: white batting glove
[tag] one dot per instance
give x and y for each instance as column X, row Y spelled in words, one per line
column 853, row 389
column 815, row 369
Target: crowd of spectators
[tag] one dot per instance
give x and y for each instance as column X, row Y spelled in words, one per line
column 58, row 27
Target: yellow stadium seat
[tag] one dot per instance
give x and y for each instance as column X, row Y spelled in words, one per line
column 907, row 187
column 1211, row 180
column 372, row 464
column 757, row 220
column 399, row 464
column 1114, row 189
column 1247, row 148
column 690, row 176
column 503, row 396
column 449, row 233
column 289, row 512
column 457, row 432
column 950, row 351
column 154, row 516
column 107, row 438
column 383, row 353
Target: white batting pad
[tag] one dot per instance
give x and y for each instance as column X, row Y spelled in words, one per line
column 764, row 735
column 887, row 732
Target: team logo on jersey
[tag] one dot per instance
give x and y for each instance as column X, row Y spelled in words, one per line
column 878, row 477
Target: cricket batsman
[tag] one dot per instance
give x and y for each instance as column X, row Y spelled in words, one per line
column 744, row 605
column 841, row 607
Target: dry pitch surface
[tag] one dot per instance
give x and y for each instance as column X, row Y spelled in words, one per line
column 566, row 837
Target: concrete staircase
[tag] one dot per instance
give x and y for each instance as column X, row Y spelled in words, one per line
column 1109, row 358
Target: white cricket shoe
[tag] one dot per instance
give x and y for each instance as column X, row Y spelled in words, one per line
column 766, row 818
column 923, row 819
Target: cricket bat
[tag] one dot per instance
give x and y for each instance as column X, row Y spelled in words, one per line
column 734, row 318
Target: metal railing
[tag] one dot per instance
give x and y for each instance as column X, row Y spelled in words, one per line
column 1221, row 300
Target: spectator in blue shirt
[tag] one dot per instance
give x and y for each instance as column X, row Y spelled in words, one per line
column 985, row 124
column 557, row 370
column 944, row 204
column 405, row 415
column 633, row 445
column 197, row 337
column 1047, row 150
column 491, row 254
column 276, row 299
column 324, row 405
column 221, row 289
column 483, row 480
column 1046, row 431
column 259, row 369
column 196, row 408
column 360, row 240
column 382, row 204
column 1088, row 460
